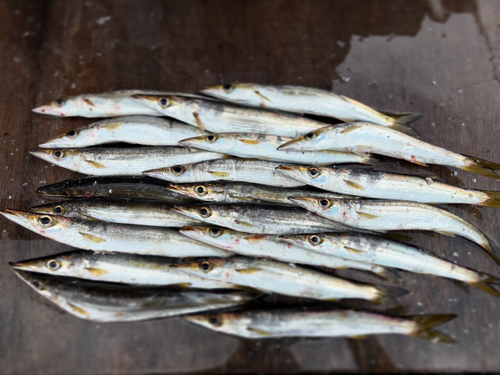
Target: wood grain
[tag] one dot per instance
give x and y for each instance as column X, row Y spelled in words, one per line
column 440, row 58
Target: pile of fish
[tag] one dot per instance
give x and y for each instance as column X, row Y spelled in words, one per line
column 236, row 195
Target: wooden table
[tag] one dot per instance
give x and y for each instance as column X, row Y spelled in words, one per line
column 440, row 58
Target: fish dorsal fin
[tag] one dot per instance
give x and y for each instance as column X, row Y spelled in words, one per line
column 357, row 251
column 200, row 124
column 248, row 271
column 96, row 271
column 259, row 331
column 351, row 128
column 365, row 215
column 220, row 174
column 354, row 185
column 96, row 164
column 92, row 238
column 445, row 232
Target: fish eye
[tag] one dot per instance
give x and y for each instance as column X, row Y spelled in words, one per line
column 53, row 265
column 324, row 203
column 215, row 232
column 310, row 136
column 64, row 193
column 37, row 284
column 163, row 102
column 206, row 267
column 59, row 210
column 60, row 102
column 71, row 133
column 228, row 88
column 205, row 212
column 58, row 154
column 201, row 190
column 45, row 221
column 314, row 240
column 314, row 172
column 211, row 138
column 178, row 170
column 215, row 321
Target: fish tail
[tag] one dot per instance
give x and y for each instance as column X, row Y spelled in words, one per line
column 390, row 292
column 482, row 167
column 387, row 274
column 485, row 287
column 427, row 322
column 374, row 161
column 401, row 123
column 494, row 199
column 493, row 250
column 488, row 278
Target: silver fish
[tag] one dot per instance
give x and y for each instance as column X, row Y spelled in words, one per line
column 122, row 161
column 105, row 104
column 133, row 212
column 235, row 192
column 142, row 130
column 275, row 277
column 268, row 246
column 253, row 171
column 260, row 324
column 308, row 100
column 262, row 219
column 384, row 216
column 117, row 268
column 101, row 302
column 382, row 185
column 264, row 147
column 219, row 117
column 387, row 253
column 124, row 238
column 362, row 138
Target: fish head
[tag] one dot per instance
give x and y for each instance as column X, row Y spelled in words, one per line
column 71, row 264
column 223, row 238
column 46, row 225
column 306, row 241
column 62, row 107
column 212, row 142
column 305, row 174
column 234, row 92
column 67, row 209
column 229, row 323
column 173, row 106
column 41, row 283
column 66, row 158
column 59, row 190
column 211, row 268
column 206, row 213
column 334, row 209
column 74, row 138
column 318, row 139
column 209, row 192
column 176, row 173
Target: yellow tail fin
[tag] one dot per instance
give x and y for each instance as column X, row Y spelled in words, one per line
column 494, row 200
column 482, row 167
column 493, row 250
column 402, row 121
column 388, row 292
column 485, row 287
column 427, row 322
column 387, row 274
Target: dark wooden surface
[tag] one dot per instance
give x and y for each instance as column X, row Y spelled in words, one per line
column 439, row 58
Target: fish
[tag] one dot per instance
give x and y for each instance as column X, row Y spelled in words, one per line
column 382, row 216
column 309, row 100
column 259, row 219
column 118, row 268
column 388, row 253
column 382, row 185
column 142, row 130
column 219, row 117
column 273, row 247
column 122, row 161
column 264, row 147
column 316, row 322
column 101, row 302
column 362, row 138
column 269, row 276
column 105, row 104
column 132, row 212
column 254, row 171
column 101, row 236
column 123, row 187
column 236, row 192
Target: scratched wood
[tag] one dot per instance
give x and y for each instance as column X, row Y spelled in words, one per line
column 440, row 58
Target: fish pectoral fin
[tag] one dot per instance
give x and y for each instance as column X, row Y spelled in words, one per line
column 248, row 271
column 262, row 96
column 91, row 218
column 92, row 238
column 248, row 141
column 114, row 126
column 255, row 239
column 358, row 337
column 200, row 123
column 89, row 102
column 353, row 249
column 351, row 128
column 219, row 174
column 244, row 224
column 445, row 232
column 354, row 185
column 240, row 198
column 365, row 215
column 259, row 331
column 96, row 271
column 95, row 164
column 78, row 309
column 179, row 285
column 414, row 161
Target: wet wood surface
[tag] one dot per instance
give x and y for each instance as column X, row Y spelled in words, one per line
column 439, row 58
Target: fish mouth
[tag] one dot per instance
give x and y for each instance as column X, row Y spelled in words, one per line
column 174, row 188
column 211, row 90
column 290, row 239
column 149, row 98
column 190, row 142
column 44, row 110
column 22, row 218
column 156, row 173
column 41, row 209
column 43, row 154
column 290, row 145
column 193, row 231
column 302, row 202
column 30, row 266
